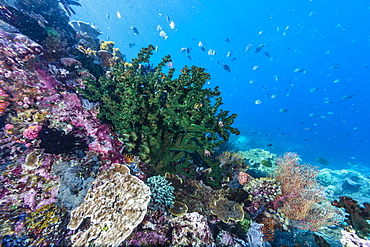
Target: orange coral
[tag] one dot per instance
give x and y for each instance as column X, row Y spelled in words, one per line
column 129, row 157
column 302, row 200
column 268, row 229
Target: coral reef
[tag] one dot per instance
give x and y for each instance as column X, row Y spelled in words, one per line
column 302, row 200
column 191, row 229
column 357, row 216
column 115, row 205
column 262, row 192
column 227, row 211
column 161, row 193
column 171, row 122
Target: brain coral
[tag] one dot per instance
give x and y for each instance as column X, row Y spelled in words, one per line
column 115, row 204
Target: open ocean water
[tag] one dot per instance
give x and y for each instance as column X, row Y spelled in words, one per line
column 306, row 90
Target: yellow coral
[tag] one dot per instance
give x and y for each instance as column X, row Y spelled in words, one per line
column 116, row 203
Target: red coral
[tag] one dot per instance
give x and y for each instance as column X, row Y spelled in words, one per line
column 357, row 216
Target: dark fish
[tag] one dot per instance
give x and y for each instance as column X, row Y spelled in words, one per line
column 323, row 161
column 134, row 29
column 335, row 66
column 189, row 57
column 266, row 163
column 269, row 145
column 267, row 54
column 283, row 110
column 259, row 48
column 203, row 49
column 131, row 45
column 348, row 96
column 227, row 40
column 168, row 18
column 226, row 67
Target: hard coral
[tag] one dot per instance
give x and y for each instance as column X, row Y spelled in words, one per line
column 174, row 119
column 161, row 193
column 228, row 211
column 116, row 203
column 357, row 217
column 191, row 230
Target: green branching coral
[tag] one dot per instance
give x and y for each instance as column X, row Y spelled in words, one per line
column 162, row 197
column 161, row 119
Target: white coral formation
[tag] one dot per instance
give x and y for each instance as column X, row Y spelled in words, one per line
column 115, row 204
column 191, row 229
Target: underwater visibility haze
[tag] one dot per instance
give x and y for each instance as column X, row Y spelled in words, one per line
column 184, row 123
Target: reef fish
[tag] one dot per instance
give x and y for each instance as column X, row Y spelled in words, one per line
column 85, row 28
column 172, row 25
column 226, row 67
column 348, row 96
column 299, row 70
column 163, row 34
column 259, row 48
column 134, row 29
column 323, row 161
column 119, row 15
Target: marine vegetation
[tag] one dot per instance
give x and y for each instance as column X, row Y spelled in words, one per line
column 171, row 123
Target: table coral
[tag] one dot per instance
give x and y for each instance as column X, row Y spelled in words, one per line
column 116, row 203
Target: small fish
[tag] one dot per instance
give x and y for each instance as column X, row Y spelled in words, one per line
column 227, row 40
column 336, row 81
column 274, row 95
column 312, row 115
column 248, row 47
column 134, row 29
column 163, row 34
column 277, row 77
column 159, row 28
column 255, row 67
column 283, row 110
column 211, row 52
column 131, row 45
column 188, row 56
column 330, row 113
column 184, row 49
column 229, row 54
column 328, row 102
column 348, row 96
column 299, row 70
column 169, row 64
column 172, row 25
column 257, row 102
column 323, row 161
column 168, row 18
column 200, row 44
column 336, row 66
column 226, row 67
column 107, row 15
column 259, row 48
column 203, row 49
column 119, row 15
column 314, row 89
column 267, row 54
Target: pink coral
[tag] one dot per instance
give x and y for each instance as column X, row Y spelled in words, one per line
column 32, row 132
column 244, row 178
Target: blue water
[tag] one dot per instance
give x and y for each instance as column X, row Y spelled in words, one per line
column 328, row 39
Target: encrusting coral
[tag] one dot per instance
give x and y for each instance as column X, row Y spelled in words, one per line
column 116, row 203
